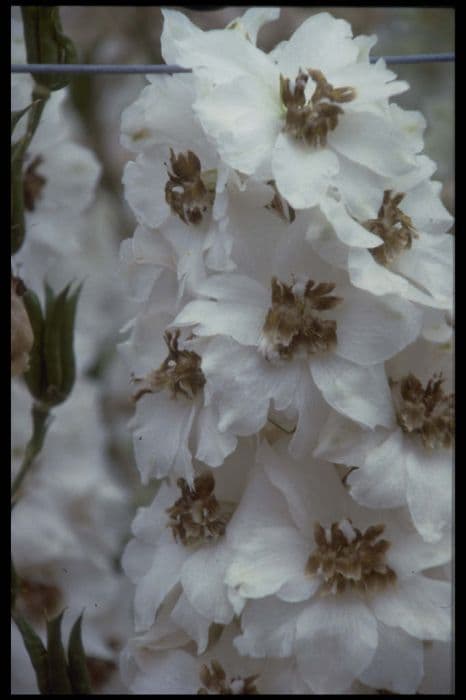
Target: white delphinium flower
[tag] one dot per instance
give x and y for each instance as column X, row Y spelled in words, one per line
column 175, row 186
column 150, row 667
column 347, row 603
column 414, row 254
column 297, row 342
column 411, row 461
column 172, row 423
column 293, row 114
column 180, row 538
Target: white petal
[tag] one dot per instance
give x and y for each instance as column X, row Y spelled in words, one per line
column 429, row 492
column 361, row 393
column 269, row 628
column 202, row 578
column 241, row 384
column 269, row 559
column 398, row 662
column 321, row 42
column 367, row 274
column 343, row 441
column 243, row 119
column 381, row 480
column 371, row 141
column 424, row 206
column 221, row 56
column 254, row 19
column 160, row 437
column 419, row 605
column 196, row 626
column 176, row 26
column 235, row 288
column 372, row 329
column 430, row 264
column 371, row 82
column 212, row 445
column 151, row 522
column 312, row 411
column 302, row 173
column 144, row 181
column 163, row 574
column 336, row 641
column 171, row 672
column 224, row 318
column 410, row 554
column 347, row 229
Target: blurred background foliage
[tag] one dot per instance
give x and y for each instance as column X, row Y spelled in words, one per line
column 132, row 35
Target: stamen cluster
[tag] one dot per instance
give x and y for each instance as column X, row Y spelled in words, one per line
column 188, row 196
column 425, row 411
column 346, row 558
column 393, row 226
column 215, row 682
column 292, row 324
column 311, row 120
column 180, row 372
column 197, row 517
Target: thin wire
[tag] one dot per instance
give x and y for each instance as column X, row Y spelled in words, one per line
column 93, row 69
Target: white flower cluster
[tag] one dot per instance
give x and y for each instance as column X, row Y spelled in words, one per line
column 292, row 370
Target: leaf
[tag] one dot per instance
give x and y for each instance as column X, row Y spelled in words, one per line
column 59, row 682
column 77, row 667
column 46, row 43
column 36, row 650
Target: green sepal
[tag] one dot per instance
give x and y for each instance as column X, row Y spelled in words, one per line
column 35, row 377
column 46, row 43
column 67, row 342
column 36, row 651
column 59, row 682
column 77, row 667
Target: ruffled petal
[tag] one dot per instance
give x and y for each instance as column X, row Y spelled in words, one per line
column 373, row 329
column 420, row 606
column 321, row 42
column 429, row 489
column 381, row 480
column 372, row 141
column 359, row 392
column 398, row 662
column 202, row 577
column 302, row 173
column 336, row 640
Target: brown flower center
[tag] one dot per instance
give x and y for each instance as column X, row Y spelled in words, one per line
column 292, row 323
column 393, row 226
column 425, row 411
column 346, row 558
column 197, row 517
column 189, row 192
column 215, row 682
column 311, row 120
column 33, row 183
column 180, row 372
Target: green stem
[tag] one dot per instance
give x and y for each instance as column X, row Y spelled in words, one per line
column 40, row 421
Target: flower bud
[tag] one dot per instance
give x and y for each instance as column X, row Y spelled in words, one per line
column 52, row 370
